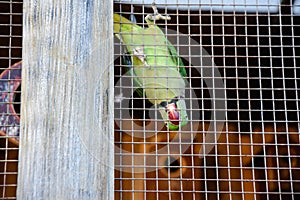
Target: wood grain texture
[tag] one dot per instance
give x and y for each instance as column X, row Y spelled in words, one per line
column 66, row 143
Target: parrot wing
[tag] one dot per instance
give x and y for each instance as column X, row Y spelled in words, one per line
column 137, row 84
column 122, row 24
column 176, row 59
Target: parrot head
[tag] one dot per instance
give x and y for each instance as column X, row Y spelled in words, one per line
column 174, row 113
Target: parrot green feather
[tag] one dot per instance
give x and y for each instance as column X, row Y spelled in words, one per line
column 156, row 66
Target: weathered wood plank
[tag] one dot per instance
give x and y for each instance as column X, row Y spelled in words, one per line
column 66, row 144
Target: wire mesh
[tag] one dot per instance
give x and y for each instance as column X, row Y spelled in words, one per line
column 10, row 55
column 242, row 100
column 242, row 135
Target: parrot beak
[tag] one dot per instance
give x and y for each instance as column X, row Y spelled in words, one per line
column 173, row 114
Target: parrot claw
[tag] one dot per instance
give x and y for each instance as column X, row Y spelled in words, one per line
column 132, row 17
column 139, row 53
column 156, row 15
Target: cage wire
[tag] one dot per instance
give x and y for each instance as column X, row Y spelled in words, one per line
column 10, row 75
column 241, row 140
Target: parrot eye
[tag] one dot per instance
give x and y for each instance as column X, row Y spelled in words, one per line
column 163, row 104
column 176, row 99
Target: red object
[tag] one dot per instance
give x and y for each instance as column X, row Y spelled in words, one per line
column 10, row 80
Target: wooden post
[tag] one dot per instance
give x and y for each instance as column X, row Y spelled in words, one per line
column 66, row 144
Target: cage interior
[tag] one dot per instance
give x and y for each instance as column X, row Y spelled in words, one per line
column 242, row 136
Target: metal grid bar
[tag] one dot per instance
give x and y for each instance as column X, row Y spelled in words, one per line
column 256, row 52
column 10, row 53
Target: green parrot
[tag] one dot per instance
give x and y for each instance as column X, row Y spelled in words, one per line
column 156, row 67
